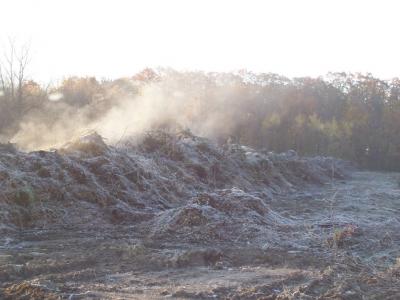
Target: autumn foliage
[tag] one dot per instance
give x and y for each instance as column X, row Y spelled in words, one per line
column 352, row 116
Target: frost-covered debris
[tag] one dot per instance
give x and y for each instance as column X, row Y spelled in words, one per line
column 229, row 215
column 90, row 182
column 171, row 213
column 91, row 144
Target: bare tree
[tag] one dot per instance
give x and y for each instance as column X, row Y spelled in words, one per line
column 13, row 66
column 13, row 79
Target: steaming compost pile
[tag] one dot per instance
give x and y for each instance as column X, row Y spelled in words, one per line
column 177, row 216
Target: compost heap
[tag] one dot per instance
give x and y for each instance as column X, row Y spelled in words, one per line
column 175, row 181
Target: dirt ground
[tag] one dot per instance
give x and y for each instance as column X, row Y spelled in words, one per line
column 339, row 240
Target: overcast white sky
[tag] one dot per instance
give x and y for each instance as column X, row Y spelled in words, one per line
column 112, row 38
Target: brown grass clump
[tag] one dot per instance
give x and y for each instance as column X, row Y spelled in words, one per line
column 28, row 291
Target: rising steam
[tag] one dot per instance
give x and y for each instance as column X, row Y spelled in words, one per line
column 157, row 104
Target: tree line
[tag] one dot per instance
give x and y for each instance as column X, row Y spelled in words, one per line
column 352, row 116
